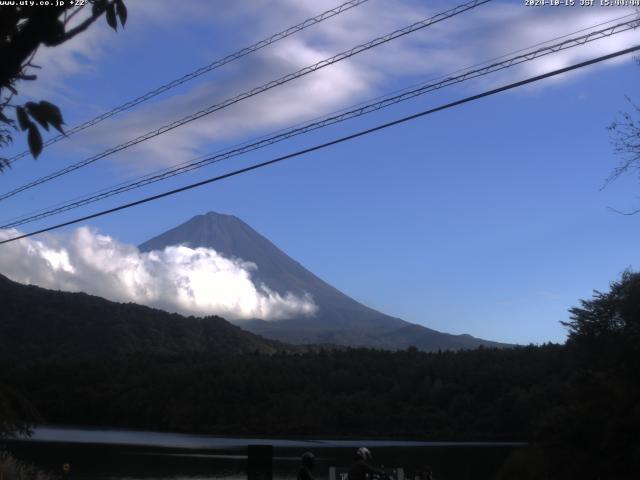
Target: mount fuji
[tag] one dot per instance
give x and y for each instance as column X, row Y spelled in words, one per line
column 339, row 319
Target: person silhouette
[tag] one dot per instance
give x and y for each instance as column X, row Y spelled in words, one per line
column 360, row 468
column 308, row 461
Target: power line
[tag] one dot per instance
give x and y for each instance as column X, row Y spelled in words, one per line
column 331, row 120
column 200, row 71
column 406, row 95
column 332, row 142
column 255, row 91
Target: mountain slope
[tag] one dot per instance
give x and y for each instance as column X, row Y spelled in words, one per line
column 340, row 319
column 41, row 324
column 232, row 237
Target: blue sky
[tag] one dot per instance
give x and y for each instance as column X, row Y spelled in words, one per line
column 485, row 219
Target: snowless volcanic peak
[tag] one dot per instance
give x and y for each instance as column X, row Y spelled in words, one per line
column 338, row 319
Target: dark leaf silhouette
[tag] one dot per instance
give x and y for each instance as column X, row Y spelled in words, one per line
column 52, row 115
column 45, row 114
column 121, row 10
column 111, row 16
column 98, row 7
column 23, row 118
column 53, row 31
column 5, row 119
column 38, row 114
column 35, row 140
column 26, row 77
column 24, row 29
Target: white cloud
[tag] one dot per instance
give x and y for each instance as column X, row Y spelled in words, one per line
column 517, row 28
column 178, row 279
column 486, row 32
column 299, row 100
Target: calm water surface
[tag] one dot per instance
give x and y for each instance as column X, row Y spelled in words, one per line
column 99, row 454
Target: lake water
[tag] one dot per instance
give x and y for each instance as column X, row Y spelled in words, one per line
column 100, row 454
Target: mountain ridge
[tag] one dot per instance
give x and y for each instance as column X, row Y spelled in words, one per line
column 339, row 320
column 41, row 324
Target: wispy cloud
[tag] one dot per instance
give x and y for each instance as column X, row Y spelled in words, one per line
column 487, row 32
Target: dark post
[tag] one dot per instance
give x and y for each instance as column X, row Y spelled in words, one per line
column 260, row 462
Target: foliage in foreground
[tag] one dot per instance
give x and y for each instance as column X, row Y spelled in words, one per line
column 16, row 413
column 12, row 469
column 593, row 431
column 24, row 28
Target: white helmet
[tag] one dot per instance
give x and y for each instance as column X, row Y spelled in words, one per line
column 363, row 453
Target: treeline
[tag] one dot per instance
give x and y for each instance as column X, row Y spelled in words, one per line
column 577, row 404
column 487, row 394
column 46, row 325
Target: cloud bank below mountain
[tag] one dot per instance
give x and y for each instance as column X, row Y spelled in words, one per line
column 190, row 281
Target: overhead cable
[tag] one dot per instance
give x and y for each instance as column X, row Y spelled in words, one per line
column 200, row 71
column 331, row 120
column 255, row 91
column 330, row 143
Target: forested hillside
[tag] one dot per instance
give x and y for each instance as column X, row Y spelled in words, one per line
column 577, row 404
column 41, row 324
column 485, row 394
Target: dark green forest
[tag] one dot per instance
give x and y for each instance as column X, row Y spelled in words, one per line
column 578, row 404
column 43, row 325
column 485, row 394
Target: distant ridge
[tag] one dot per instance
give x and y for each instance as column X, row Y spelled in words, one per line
column 47, row 325
column 340, row 319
